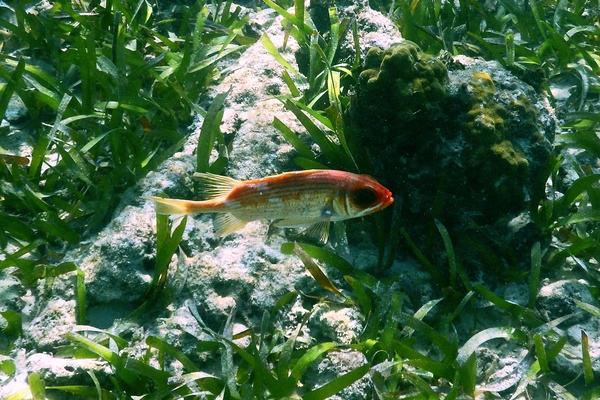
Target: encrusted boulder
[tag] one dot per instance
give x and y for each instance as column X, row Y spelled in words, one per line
column 458, row 140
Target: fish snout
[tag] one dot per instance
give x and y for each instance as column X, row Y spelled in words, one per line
column 386, row 199
column 389, row 199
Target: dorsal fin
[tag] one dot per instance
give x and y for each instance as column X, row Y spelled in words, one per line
column 213, row 186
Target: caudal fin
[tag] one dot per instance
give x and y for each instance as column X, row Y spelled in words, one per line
column 174, row 206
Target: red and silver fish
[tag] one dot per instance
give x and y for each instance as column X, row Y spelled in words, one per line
column 292, row 199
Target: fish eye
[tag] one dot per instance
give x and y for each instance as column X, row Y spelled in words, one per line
column 364, row 197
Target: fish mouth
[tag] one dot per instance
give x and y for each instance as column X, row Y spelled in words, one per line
column 377, row 207
column 387, row 200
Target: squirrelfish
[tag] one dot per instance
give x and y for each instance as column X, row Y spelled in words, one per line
column 293, row 199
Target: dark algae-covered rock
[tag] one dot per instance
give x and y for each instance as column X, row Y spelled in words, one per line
column 463, row 142
column 494, row 164
column 399, row 88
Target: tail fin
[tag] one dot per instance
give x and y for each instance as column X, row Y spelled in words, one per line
column 173, row 206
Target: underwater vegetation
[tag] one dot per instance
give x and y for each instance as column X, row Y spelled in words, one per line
column 462, row 144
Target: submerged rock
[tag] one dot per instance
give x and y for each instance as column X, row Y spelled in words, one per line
column 465, row 143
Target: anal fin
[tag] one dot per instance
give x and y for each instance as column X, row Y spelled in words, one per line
column 226, row 223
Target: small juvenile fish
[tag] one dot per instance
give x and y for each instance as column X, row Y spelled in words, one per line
column 293, row 199
column 9, row 158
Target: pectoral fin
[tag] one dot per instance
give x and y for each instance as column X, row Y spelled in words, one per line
column 226, row 223
column 295, row 223
column 319, row 231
